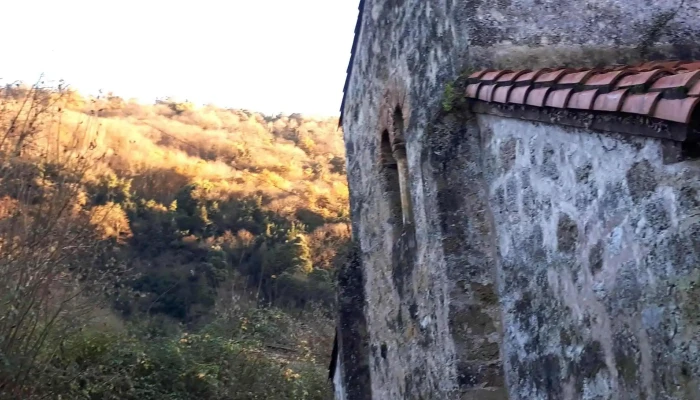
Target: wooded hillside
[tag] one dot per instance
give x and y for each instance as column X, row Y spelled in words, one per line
column 142, row 245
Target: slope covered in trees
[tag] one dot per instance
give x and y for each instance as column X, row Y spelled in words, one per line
column 142, row 245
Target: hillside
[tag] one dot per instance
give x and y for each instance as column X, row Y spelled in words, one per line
column 160, row 236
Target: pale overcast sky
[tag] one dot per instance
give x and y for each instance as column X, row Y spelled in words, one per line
column 266, row 55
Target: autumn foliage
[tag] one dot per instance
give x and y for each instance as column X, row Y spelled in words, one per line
column 167, row 217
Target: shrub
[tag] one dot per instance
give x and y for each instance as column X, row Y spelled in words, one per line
column 98, row 365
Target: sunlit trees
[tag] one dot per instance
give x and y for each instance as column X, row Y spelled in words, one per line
column 54, row 268
column 111, row 222
column 153, row 213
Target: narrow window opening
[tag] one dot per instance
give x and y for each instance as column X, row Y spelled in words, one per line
column 399, row 153
column 391, row 177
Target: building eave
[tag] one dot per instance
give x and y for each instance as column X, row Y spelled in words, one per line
column 348, row 71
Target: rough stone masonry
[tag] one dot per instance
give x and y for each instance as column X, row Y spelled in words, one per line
column 499, row 258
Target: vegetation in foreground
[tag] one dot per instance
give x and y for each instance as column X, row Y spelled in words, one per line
column 165, row 251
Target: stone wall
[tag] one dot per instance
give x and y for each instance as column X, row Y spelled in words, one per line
column 450, row 308
column 457, row 199
column 599, row 255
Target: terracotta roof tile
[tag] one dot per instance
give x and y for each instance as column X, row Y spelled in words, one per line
column 493, row 75
column 676, row 81
column 607, row 79
column 667, row 90
column 583, row 100
column 512, row 76
column 610, row 101
column 676, row 110
column 559, row 98
column 642, row 78
column 537, row 97
column 502, row 93
column 695, row 90
column 473, row 90
column 552, row 77
column 576, row 78
column 486, row 92
column 640, row 103
column 659, row 64
column 532, row 75
column 518, row 94
column 478, row 74
column 691, row 66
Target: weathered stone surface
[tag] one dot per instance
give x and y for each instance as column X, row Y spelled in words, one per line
column 615, row 330
column 563, row 258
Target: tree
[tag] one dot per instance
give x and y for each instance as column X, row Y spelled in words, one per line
column 300, row 254
column 111, row 222
column 111, row 188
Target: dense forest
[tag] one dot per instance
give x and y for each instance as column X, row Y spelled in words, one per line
column 165, row 250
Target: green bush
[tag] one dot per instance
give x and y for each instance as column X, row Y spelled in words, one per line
column 105, row 366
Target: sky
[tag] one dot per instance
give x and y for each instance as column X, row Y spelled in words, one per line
column 263, row 55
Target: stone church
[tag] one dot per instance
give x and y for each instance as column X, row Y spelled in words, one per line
column 525, row 195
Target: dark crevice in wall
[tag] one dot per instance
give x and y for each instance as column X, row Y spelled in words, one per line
column 352, row 335
column 690, row 150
